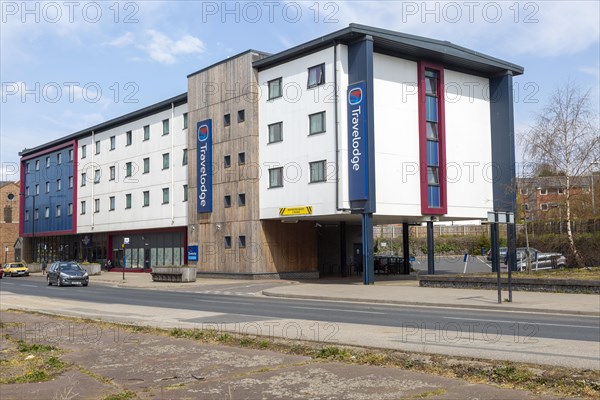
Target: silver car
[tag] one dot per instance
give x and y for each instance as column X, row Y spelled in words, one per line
column 539, row 260
column 64, row 273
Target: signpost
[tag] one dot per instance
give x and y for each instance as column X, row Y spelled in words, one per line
column 125, row 241
column 495, row 218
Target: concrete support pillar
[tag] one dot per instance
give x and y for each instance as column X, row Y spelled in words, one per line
column 343, row 249
column 367, row 236
column 430, row 252
column 406, row 247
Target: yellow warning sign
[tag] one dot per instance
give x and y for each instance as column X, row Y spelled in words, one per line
column 302, row 210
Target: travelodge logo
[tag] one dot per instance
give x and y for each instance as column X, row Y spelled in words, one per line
column 202, row 133
column 355, row 96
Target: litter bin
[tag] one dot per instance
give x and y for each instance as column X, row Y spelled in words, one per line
column 483, row 251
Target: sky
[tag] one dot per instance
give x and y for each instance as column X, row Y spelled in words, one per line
column 68, row 65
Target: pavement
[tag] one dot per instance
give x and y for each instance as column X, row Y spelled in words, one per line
column 404, row 290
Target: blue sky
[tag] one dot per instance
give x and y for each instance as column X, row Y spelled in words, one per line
column 66, row 66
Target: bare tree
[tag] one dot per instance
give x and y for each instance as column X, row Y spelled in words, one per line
column 566, row 139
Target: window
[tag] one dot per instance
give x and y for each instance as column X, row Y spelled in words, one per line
column 128, row 138
column 83, row 151
column 432, row 139
column 83, row 178
column 275, row 88
column 146, row 165
column 128, row 169
column 82, row 207
column 227, row 201
column 227, row 242
column 97, row 147
column 185, row 120
column 561, row 191
column 8, row 215
column 36, row 214
column 58, row 211
column 58, row 185
column 185, row 157
column 26, row 215
column 26, row 190
column 47, row 162
column 47, row 187
column 59, row 158
column 165, row 193
column 128, row 200
column 47, row 212
column 27, row 167
column 165, row 126
column 70, row 209
column 317, row 171
column 37, row 165
column 544, row 191
column 113, row 142
column 97, row 176
column 227, row 119
column 316, row 75
column 96, row 205
column 111, row 203
column 544, row 206
column 227, row 161
column 146, row 198
column 70, row 154
column 165, row 161
column 241, row 199
column 113, row 172
column 241, row 158
column 37, row 189
column 70, row 182
column 316, row 123
column 275, row 132
column 185, row 192
column 147, row 132
column 242, row 242
column 241, row 116
column 524, row 191
column 275, row 177
column 525, row 207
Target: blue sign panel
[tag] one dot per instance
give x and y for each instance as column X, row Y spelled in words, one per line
column 358, row 171
column 204, row 165
column 192, row 253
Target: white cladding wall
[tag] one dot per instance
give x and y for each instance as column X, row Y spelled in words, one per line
column 298, row 148
column 156, row 215
column 396, row 136
column 468, row 145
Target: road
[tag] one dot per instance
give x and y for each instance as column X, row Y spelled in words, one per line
column 465, row 331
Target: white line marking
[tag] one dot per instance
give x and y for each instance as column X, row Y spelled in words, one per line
column 337, row 309
column 222, row 302
column 7, row 283
column 521, row 322
column 28, row 285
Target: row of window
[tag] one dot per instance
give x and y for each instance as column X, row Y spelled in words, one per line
column 316, row 77
column 57, row 212
column 241, row 242
column 317, row 174
column 241, row 117
column 48, row 160
column 129, row 168
column 129, row 136
column 543, row 191
column 543, row 206
column 316, row 124
column 128, row 200
column 47, row 186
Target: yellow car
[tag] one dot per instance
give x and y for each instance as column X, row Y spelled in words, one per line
column 16, row 269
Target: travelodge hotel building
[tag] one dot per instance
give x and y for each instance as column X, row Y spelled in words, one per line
column 288, row 161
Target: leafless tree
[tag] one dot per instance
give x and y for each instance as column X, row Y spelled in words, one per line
column 565, row 138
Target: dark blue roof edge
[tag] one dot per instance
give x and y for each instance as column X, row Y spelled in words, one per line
column 354, row 30
column 123, row 119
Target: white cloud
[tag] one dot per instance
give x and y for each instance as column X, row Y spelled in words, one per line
column 593, row 71
column 124, row 40
column 165, row 50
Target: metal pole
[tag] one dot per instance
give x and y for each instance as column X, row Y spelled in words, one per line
column 495, row 259
column 511, row 230
column 367, row 233
column 430, row 252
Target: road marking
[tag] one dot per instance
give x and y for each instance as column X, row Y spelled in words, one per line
column 8, row 283
column 28, row 285
column 523, row 322
column 337, row 309
column 223, row 302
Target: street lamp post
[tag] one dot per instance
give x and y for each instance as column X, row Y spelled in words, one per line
column 5, row 254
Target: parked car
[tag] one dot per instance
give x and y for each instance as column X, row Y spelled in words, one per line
column 16, row 269
column 503, row 251
column 539, row 260
column 64, row 273
column 1, row 271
